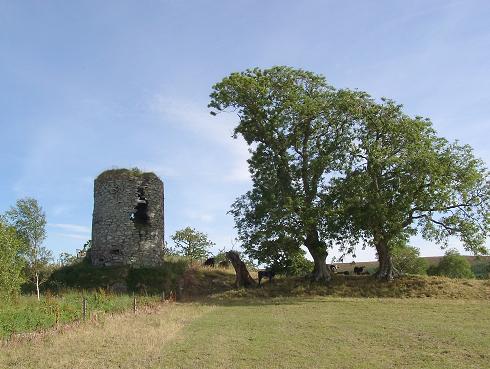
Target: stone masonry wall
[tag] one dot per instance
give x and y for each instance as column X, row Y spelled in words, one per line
column 127, row 223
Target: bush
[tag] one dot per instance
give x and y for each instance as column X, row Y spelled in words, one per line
column 453, row 265
column 298, row 265
column 11, row 263
column 433, row 270
column 481, row 270
column 407, row 260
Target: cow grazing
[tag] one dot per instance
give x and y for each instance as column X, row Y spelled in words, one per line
column 359, row 270
column 333, row 268
column 266, row 274
column 210, row 262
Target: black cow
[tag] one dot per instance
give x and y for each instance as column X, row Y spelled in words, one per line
column 266, row 274
column 359, row 270
column 210, row 262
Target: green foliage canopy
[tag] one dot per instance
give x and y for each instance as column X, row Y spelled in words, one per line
column 402, row 179
column 291, row 120
column 192, row 243
column 407, row 260
column 337, row 167
column 481, row 269
column 11, row 261
column 454, row 265
column 29, row 220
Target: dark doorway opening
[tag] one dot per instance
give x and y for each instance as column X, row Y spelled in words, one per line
column 140, row 215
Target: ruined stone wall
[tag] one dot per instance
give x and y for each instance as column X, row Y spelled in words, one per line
column 127, row 223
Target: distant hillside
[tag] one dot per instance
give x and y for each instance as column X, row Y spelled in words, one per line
column 431, row 260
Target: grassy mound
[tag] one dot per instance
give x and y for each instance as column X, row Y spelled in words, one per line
column 201, row 281
column 198, row 281
column 348, row 286
column 84, row 276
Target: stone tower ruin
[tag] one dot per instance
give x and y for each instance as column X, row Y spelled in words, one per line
column 127, row 223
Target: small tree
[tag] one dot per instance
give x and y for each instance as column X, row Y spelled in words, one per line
column 454, row 265
column 407, row 260
column 66, row 258
column 11, row 261
column 29, row 220
column 192, row 243
column 298, row 265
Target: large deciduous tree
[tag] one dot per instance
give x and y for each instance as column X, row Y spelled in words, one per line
column 297, row 135
column 402, row 179
column 29, row 220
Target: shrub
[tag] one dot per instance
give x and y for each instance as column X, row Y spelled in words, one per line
column 454, row 265
column 298, row 265
column 433, row 270
column 11, row 263
column 481, row 270
column 407, row 260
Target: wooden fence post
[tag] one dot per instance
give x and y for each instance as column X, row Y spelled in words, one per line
column 84, row 308
column 179, row 290
column 134, row 303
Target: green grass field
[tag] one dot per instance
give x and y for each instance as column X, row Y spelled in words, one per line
column 294, row 332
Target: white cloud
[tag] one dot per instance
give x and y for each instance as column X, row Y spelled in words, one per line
column 72, row 235
column 199, row 216
column 58, row 210
column 76, row 228
column 218, row 130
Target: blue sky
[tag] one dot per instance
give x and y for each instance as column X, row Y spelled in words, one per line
column 91, row 85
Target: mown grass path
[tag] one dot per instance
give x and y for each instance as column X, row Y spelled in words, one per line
column 275, row 333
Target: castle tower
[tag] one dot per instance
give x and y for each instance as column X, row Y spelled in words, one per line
column 127, row 223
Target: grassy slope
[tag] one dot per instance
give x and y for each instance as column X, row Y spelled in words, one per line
column 28, row 315
column 219, row 282
column 318, row 332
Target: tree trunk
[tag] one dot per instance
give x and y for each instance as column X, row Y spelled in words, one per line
column 386, row 272
column 319, row 254
column 243, row 277
column 320, row 271
column 37, row 286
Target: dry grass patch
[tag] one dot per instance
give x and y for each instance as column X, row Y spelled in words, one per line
column 123, row 341
column 306, row 332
